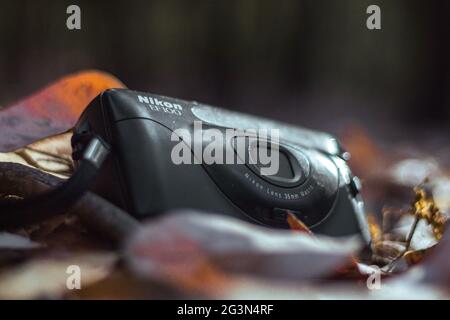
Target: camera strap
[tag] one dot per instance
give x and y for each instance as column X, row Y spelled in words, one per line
column 16, row 213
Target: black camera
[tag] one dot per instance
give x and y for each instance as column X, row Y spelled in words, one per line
column 151, row 135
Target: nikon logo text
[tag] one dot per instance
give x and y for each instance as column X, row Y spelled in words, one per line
column 159, row 103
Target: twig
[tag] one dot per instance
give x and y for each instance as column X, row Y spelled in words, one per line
column 407, row 244
column 411, row 234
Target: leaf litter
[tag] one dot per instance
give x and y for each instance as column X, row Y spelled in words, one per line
column 193, row 254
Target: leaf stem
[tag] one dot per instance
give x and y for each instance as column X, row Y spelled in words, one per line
column 407, row 245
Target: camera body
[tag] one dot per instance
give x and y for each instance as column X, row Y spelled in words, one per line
column 313, row 180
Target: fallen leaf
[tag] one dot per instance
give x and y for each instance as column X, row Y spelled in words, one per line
column 296, row 224
column 413, row 257
column 183, row 240
column 441, row 193
column 12, row 157
column 423, row 235
column 412, row 172
column 374, row 228
column 425, row 208
column 385, row 251
column 12, row 241
column 47, row 278
column 258, row 290
column 53, row 110
column 52, row 155
column 435, row 267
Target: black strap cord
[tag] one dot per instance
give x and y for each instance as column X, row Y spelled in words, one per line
column 18, row 213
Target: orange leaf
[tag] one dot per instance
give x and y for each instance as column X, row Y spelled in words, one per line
column 296, row 224
column 52, row 110
column 374, row 228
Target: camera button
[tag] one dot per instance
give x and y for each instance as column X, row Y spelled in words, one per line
column 355, row 186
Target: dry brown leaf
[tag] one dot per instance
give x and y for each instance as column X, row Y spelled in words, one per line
column 426, row 209
column 12, row 157
column 58, row 145
column 52, row 155
column 385, row 251
column 374, row 228
column 413, row 257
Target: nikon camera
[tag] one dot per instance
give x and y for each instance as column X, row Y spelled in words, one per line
column 169, row 154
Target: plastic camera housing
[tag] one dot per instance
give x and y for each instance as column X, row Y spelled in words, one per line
column 141, row 177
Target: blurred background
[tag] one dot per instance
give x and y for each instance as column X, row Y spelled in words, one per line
column 312, row 63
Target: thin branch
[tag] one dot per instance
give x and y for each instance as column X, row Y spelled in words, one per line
column 407, row 244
